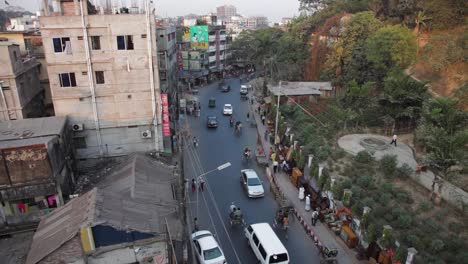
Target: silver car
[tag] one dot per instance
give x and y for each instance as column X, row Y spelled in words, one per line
column 252, row 183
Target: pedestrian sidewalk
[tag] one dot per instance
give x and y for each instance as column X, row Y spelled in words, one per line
column 319, row 232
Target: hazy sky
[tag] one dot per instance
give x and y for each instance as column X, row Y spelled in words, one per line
column 273, row 9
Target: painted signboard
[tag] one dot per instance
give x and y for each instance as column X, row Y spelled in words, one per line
column 199, row 37
column 165, row 115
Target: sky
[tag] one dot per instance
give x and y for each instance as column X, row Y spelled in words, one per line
column 273, row 9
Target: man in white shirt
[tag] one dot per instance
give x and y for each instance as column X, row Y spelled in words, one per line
column 394, row 140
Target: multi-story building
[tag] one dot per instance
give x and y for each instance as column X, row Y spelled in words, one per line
column 167, row 58
column 30, row 44
column 36, row 170
column 23, row 23
column 203, row 51
column 226, row 11
column 21, row 94
column 103, row 72
column 256, row 22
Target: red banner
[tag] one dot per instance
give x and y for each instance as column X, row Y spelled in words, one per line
column 165, row 115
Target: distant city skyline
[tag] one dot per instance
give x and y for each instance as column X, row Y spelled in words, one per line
column 173, row 8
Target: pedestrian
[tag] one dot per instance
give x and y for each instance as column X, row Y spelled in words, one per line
column 266, row 134
column 263, row 120
column 195, row 224
column 275, row 166
column 285, row 222
column 195, row 142
column 307, row 203
column 394, row 140
column 194, row 185
column 258, row 109
column 248, row 116
column 202, row 183
column 315, row 215
column 273, row 156
column 251, row 99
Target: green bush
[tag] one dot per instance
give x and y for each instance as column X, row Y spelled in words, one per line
column 425, row 206
column 368, row 201
column 413, row 241
column 437, row 245
column 388, row 165
column 363, row 157
column 404, row 197
column 404, row 221
column 385, row 199
column 337, row 190
column 404, row 172
column 365, row 181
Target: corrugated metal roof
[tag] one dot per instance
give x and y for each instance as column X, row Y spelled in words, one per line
column 300, row 88
column 61, row 225
column 32, row 128
column 135, row 196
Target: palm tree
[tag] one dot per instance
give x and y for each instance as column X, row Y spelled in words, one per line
column 420, row 21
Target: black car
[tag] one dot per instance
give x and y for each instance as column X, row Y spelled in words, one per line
column 225, row 88
column 212, row 121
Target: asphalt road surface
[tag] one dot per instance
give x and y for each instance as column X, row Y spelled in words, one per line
column 221, row 145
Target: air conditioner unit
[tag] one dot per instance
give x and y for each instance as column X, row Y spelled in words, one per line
column 146, row 134
column 77, row 127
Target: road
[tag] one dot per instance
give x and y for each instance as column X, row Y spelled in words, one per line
column 221, row 145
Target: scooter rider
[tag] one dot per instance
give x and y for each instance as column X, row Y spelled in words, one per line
column 231, row 121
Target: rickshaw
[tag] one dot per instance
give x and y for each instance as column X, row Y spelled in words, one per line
column 235, row 215
column 212, row 102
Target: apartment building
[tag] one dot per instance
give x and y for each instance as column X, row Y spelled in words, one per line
column 30, row 45
column 203, row 52
column 256, row 22
column 103, row 72
column 21, row 94
column 226, row 11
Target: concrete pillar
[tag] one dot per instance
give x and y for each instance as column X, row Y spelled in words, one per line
column 366, row 210
column 301, row 149
column 411, row 253
column 332, row 182
column 295, row 144
column 347, row 196
column 291, row 137
column 309, row 161
column 387, row 231
column 320, row 171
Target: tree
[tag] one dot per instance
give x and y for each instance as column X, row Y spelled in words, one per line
column 391, row 47
column 443, row 131
column 402, row 98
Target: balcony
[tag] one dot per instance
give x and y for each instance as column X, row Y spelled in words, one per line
column 222, row 37
column 212, row 58
column 212, row 38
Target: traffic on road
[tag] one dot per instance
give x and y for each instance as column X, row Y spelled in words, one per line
column 235, row 199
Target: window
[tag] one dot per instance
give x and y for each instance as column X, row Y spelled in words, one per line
column 143, row 35
column 262, row 251
column 95, row 42
column 15, row 55
column 100, row 77
column 67, row 79
column 125, row 42
column 255, row 239
column 79, row 142
column 80, row 37
column 62, row 45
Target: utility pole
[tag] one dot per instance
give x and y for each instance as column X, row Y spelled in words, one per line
column 277, row 110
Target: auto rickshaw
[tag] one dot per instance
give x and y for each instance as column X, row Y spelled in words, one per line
column 212, row 102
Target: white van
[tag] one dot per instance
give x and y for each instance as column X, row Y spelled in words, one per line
column 265, row 244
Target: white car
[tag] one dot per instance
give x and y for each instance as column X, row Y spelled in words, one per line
column 244, row 90
column 227, row 109
column 207, row 249
column 252, row 183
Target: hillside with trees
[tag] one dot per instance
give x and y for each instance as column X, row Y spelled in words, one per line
column 398, row 67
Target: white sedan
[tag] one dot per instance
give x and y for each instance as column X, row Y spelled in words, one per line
column 252, row 183
column 207, row 249
column 227, row 109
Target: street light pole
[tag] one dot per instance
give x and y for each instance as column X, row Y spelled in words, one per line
column 277, row 111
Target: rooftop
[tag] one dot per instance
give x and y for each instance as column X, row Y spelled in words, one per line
column 31, row 128
column 136, row 196
column 300, row 88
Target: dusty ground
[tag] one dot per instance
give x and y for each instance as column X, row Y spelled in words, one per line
column 15, row 249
